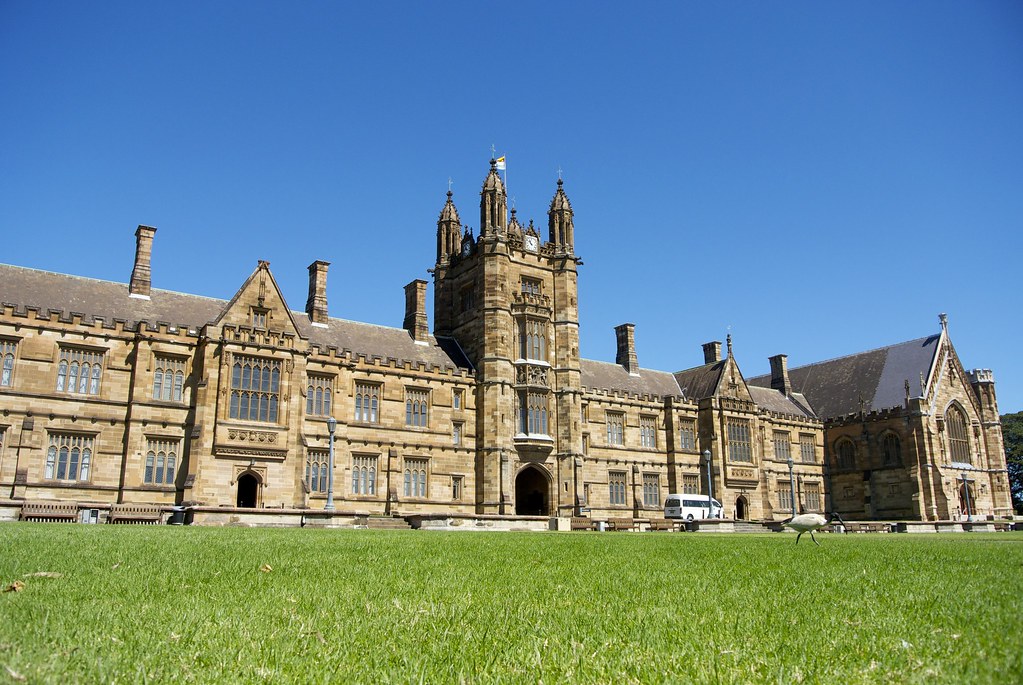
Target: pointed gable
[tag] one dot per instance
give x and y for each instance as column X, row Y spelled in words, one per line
column 259, row 294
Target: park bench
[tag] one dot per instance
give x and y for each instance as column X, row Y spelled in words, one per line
column 66, row 512
column 662, row 524
column 878, row 528
column 581, row 523
column 135, row 513
column 621, row 524
column 855, row 528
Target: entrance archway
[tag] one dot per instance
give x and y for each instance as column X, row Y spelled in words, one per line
column 741, row 508
column 967, row 500
column 531, row 493
column 248, row 490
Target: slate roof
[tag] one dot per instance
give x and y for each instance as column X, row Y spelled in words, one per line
column 700, row 381
column 613, row 377
column 775, row 400
column 109, row 301
column 834, row 387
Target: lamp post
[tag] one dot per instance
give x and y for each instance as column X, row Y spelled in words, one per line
column 966, row 494
column 792, row 486
column 331, row 425
column 710, row 482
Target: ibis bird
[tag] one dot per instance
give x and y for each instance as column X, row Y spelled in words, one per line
column 811, row 522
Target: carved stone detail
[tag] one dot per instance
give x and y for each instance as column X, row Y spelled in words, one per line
column 244, row 435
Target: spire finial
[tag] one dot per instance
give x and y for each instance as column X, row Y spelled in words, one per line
column 729, row 340
column 559, row 174
column 943, row 318
column 449, row 185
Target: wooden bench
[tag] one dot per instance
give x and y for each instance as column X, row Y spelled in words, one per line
column 135, row 513
column 878, row 528
column 855, row 528
column 581, row 523
column 621, row 524
column 66, row 512
column 662, row 524
column 1003, row 527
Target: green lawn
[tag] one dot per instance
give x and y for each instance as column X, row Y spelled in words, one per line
column 157, row 604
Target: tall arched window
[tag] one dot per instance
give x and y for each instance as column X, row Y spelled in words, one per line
column 891, row 449
column 958, row 437
column 846, row 451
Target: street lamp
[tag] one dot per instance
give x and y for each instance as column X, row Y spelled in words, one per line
column 710, row 482
column 966, row 494
column 792, row 486
column 331, row 425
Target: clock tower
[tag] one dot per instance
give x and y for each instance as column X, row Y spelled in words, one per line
column 510, row 300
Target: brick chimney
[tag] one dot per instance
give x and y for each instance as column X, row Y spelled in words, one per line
column 712, row 352
column 142, row 274
column 316, row 303
column 626, row 334
column 415, row 311
column 780, row 373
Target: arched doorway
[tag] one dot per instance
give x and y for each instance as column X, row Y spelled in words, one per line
column 248, row 490
column 531, row 493
column 967, row 500
column 741, row 508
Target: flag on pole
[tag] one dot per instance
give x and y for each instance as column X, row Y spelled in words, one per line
column 500, row 164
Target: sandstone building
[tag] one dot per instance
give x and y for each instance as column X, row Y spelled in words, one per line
column 115, row 393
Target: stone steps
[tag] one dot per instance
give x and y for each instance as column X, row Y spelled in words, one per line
column 750, row 527
column 386, row 523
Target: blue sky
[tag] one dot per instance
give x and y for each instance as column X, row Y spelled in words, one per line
column 817, row 178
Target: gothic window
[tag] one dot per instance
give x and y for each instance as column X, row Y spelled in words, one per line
column 530, row 286
column 467, row 298
column 69, row 457
column 958, row 438
column 648, row 431
column 892, row 450
column 79, row 371
column 456, row 487
column 255, row 389
column 782, row 448
column 533, row 414
column 316, row 464
column 784, row 495
column 651, row 490
column 687, row 435
column 318, row 395
column 456, row 432
column 415, row 477
column 367, row 399
column 690, row 485
column 812, row 496
column 161, row 461
column 364, row 475
column 8, row 348
column 615, row 428
column 457, row 397
column 740, row 447
column 616, row 484
column 417, row 404
column 168, row 378
column 533, row 339
column 846, row 454
column 808, row 449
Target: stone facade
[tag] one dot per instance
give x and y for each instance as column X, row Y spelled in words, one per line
column 117, row 393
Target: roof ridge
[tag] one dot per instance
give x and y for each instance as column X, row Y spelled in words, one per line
column 108, row 281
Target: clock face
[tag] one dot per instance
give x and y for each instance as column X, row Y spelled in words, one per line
column 531, row 243
column 466, row 248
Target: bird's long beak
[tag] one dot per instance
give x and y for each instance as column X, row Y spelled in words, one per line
column 845, row 529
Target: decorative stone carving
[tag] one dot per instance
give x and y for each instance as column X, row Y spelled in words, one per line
column 244, row 435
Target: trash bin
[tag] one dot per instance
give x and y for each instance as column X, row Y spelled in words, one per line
column 177, row 517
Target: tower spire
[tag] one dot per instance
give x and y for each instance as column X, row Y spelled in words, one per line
column 561, row 229
column 449, row 230
column 493, row 203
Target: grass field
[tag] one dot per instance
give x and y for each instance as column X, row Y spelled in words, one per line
column 158, row 604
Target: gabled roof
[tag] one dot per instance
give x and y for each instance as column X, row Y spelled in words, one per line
column 95, row 299
column 701, row 381
column 109, row 301
column 775, row 401
column 613, row 377
column 834, row 387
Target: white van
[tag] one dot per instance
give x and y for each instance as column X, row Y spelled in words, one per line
column 691, row 507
